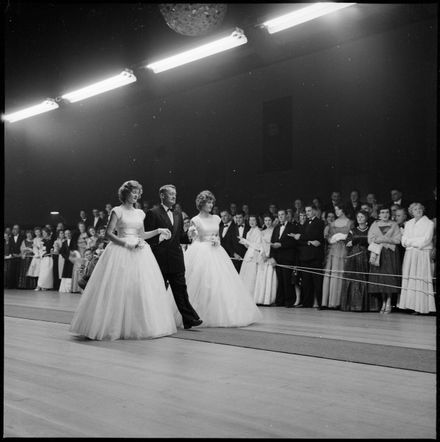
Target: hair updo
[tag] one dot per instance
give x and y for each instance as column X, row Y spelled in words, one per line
column 203, row 197
column 126, row 189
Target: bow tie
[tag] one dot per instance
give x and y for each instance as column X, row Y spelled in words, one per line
column 282, row 224
column 170, row 209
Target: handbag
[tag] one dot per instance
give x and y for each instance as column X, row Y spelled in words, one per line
column 375, row 250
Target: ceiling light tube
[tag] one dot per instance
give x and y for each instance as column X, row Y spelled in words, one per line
column 45, row 106
column 302, row 15
column 124, row 78
column 237, row 38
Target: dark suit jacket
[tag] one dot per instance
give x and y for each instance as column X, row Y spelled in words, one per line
column 350, row 211
column 286, row 253
column 240, row 248
column 100, row 223
column 64, row 252
column 404, row 204
column 168, row 253
column 230, row 241
column 14, row 246
column 313, row 230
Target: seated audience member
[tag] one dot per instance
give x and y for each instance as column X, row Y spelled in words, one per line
column 27, row 252
column 383, row 237
column 283, row 253
column 417, row 289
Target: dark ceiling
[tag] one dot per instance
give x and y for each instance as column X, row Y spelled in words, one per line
column 51, row 48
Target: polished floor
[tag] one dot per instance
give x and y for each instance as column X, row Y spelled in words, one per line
column 56, row 385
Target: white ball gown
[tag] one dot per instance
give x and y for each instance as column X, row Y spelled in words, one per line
column 125, row 298
column 215, row 289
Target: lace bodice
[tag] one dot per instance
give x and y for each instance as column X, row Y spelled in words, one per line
column 206, row 227
column 129, row 222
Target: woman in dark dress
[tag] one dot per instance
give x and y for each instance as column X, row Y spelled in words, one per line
column 355, row 296
column 385, row 234
column 7, row 256
column 26, row 248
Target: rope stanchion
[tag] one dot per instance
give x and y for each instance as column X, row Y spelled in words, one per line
column 323, row 272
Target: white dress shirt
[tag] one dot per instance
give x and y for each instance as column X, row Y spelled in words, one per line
column 282, row 228
column 225, row 229
column 169, row 213
column 241, row 230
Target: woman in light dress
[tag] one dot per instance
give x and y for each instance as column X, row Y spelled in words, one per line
column 45, row 277
column 37, row 247
column 417, row 289
column 266, row 281
column 125, row 297
column 215, row 289
column 58, row 258
column 333, row 277
column 27, row 252
column 253, row 243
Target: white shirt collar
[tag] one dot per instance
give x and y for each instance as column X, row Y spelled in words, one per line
column 165, row 207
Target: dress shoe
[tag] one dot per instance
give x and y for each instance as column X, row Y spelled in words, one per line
column 193, row 323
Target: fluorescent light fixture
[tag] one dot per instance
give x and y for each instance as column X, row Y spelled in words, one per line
column 45, row 106
column 54, row 213
column 124, row 78
column 237, row 38
column 302, row 15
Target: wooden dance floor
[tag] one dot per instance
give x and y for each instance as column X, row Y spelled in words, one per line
column 300, row 373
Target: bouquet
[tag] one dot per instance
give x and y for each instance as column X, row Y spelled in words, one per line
column 215, row 240
column 192, row 233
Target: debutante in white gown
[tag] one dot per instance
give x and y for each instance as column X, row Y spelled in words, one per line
column 125, row 298
column 215, row 289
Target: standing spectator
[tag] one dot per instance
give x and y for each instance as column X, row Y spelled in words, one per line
column 318, row 207
column 102, row 238
column 228, row 237
column 298, row 228
column 7, row 259
column 289, row 216
column 431, row 205
column 97, row 221
column 14, row 249
column 8, row 231
column 330, row 217
column 397, row 198
column 245, row 210
column 401, row 218
column 216, row 210
column 27, row 252
column 372, row 202
column 266, row 281
column 297, row 209
column 273, row 211
column 417, row 290
column 81, row 239
column 45, row 278
column 34, row 268
column 332, row 283
column 355, row 295
column 354, row 205
column 335, row 199
column 233, row 209
column 242, row 230
column 60, row 226
column 108, row 209
column 384, row 234
column 253, row 244
column 393, row 209
column 58, row 260
column 365, row 207
column 83, row 217
column 311, row 254
column 283, row 252
column 103, row 216
column 68, row 246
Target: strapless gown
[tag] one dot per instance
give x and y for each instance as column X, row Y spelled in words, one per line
column 125, row 298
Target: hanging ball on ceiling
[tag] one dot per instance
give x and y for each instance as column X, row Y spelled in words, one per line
column 193, row 19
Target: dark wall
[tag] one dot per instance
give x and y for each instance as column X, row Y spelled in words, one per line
column 363, row 115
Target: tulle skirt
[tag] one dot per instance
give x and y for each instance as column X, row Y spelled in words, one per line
column 125, row 298
column 266, row 284
column 34, row 268
column 45, row 278
column 216, row 290
column 417, row 288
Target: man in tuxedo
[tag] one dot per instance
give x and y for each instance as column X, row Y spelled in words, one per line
column 311, row 254
column 169, row 254
column 83, row 218
column 282, row 251
column 397, row 198
column 335, row 200
column 97, row 221
column 15, row 241
column 68, row 246
column 228, row 237
column 242, row 230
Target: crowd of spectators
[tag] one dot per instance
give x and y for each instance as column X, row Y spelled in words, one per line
column 358, row 255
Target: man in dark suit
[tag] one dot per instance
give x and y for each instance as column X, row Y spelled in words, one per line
column 242, row 230
column 83, row 218
column 353, row 205
column 68, row 246
column 169, row 254
column 228, row 233
column 335, row 200
column 282, row 251
column 397, row 198
column 97, row 221
column 15, row 241
column 311, row 254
